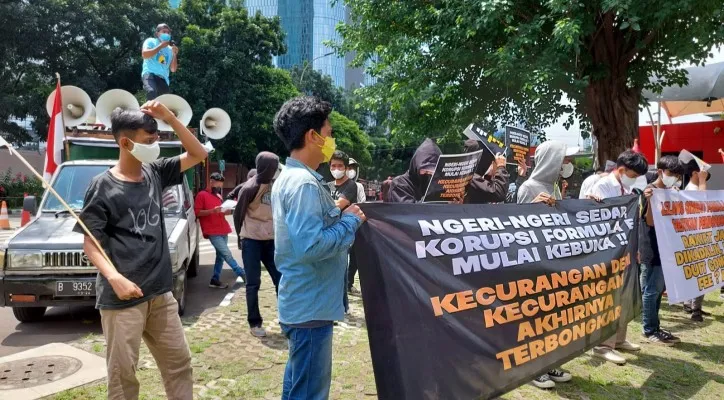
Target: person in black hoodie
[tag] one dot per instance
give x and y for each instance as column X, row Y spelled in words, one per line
column 490, row 182
column 254, row 225
column 412, row 185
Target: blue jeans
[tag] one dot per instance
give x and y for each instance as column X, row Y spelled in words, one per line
column 221, row 244
column 652, row 288
column 253, row 253
column 308, row 375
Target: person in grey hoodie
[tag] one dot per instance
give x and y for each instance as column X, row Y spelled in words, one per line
column 541, row 186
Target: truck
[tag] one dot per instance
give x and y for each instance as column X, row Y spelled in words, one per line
column 43, row 264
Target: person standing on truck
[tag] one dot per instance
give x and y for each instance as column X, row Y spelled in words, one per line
column 215, row 228
column 160, row 58
column 123, row 211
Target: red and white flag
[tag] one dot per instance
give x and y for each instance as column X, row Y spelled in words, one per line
column 56, row 133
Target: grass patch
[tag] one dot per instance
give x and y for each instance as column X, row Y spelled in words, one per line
column 98, row 347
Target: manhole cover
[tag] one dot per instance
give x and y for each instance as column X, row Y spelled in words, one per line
column 30, row 372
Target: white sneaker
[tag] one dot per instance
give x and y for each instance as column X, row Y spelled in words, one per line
column 609, row 355
column 258, row 331
column 628, row 346
column 543, row 382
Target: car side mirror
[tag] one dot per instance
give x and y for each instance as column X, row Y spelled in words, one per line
column 30, row 205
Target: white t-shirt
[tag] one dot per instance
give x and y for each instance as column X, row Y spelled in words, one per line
column 691, row 186
column 609, row 187
column 361, row 196
column 588, row 184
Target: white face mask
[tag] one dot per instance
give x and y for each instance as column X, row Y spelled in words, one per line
column 669, row 181
column 627, row 181
column 678, row 183
column 351, row 174
column 337, row 173
column 567, row 170
column 145, row 153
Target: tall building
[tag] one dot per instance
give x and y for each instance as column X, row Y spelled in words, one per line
column 308, row 24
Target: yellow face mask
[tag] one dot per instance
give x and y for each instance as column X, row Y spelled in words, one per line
column 328, row 147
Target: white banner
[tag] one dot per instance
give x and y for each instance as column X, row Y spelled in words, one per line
column 690, row 231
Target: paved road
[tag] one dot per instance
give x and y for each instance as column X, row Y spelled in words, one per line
column 65, row 324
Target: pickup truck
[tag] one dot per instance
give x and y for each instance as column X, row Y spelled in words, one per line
column 43, row 264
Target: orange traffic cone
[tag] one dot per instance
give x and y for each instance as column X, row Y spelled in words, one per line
column 24, row 216
column 4, row 220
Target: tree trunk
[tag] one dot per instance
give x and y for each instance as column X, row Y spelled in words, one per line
column 613, row 110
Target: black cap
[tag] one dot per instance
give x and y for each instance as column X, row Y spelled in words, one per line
column 162, row 26
column 217, row 177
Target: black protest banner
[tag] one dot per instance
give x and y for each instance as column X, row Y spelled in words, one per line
column 490, row 142
column 471, row 301
column 453, row 173
column 517, row 141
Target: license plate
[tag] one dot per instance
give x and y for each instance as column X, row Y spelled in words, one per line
column 75, row 288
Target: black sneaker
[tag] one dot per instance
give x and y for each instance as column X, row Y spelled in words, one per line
column 697, row 316
column 660, row 338
column 669, row 336
column 216, row 284
column 689, row 310
column 559, row 376
column 543, row 382
column 354, row 292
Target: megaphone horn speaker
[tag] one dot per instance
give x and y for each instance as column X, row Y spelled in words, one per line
column 77, row 105
column 111, row 100
column 178, row 106
column 215, row 123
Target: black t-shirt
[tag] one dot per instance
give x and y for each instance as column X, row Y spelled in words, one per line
column 127, row 219
column 648, row 245
column 347, row 190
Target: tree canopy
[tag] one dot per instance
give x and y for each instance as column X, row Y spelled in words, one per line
column 443, row 64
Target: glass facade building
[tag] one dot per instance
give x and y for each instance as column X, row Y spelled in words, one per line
column 308, row 24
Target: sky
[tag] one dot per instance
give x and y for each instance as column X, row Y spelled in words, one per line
column 572, row 137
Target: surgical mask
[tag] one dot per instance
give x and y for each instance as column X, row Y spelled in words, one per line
column 627, row 181
column 678, row 183
column 328, row 147
column 566, row 170
column 351, row 174
column 165, row 37
column 337, row 173
column 145, row 153
column 669, row 181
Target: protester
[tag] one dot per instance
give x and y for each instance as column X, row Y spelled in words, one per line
column 214, row 227
column 343, row 189
column 539, row 189
column 697, row 181
column 255, row 229
column 669, row 171
column 353, row 173
column 123, row 212
column 312, row 239
column 620, row 182
column 590, row 182
column 160, row 57
column 567, row 170
column 412, row 185
column 234, row 194
column 490, row 182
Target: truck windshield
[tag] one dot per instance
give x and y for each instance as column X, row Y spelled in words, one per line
column 73, row 181
column 71, row 184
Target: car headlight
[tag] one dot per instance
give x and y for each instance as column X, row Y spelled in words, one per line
column 25, row 260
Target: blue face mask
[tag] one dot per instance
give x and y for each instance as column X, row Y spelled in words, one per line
column 165, row 37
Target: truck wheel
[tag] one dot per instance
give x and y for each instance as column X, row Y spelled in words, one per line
column 194, row 264
column 29, row 314
column 181, row 299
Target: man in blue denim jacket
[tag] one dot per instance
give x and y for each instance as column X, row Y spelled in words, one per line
column 312, row 239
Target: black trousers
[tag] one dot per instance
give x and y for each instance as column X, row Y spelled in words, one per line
column 154, row 86
column 253, row 253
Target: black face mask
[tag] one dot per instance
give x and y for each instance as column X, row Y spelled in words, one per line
column 216, row 190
